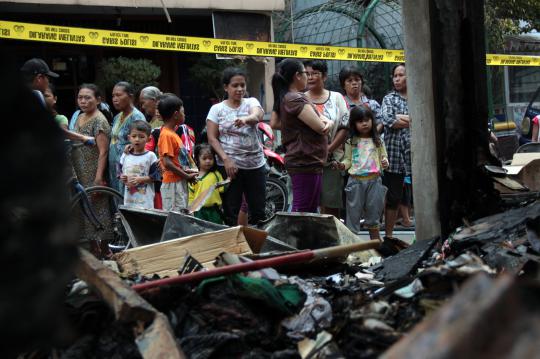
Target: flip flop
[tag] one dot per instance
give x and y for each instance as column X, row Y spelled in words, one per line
column 401, row 224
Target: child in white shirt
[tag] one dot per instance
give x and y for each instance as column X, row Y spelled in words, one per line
column 139, row 168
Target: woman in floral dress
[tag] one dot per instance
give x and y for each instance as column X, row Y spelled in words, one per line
column 90, row 163
column 122, row 98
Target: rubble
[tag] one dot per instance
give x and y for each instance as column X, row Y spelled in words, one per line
column 107, row 339
column 312, row 231
column 489, row 318
column 219, row 320
column 502, row 240
column 428, row 300
column 148, row 226
column 313, row 257
column 112, row 321
column 164, row 258
column 360, row 310
column 399, row 266
column 321, row 347
column 525, row 167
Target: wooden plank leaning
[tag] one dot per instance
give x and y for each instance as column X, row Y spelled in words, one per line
column 157, row 339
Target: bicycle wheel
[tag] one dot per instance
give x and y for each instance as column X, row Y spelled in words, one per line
column 276, row 198
column 96, row 213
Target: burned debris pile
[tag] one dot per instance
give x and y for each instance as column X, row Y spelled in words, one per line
column 98, row 334
column 333, row 306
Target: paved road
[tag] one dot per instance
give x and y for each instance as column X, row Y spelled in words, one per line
column 404, row 235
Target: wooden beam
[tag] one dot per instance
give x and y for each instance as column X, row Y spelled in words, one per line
column 127, row 305
column 157, row 340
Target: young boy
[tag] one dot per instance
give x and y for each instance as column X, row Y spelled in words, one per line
column 174, row 158
column 139, row 168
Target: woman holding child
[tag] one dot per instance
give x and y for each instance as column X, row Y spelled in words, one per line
column 232, row 133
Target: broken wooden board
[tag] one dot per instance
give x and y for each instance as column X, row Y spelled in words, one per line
column 487, row 318
column 117, row 294
column 498, row 227
column 157, row 340
column 165, row 258
column 508, row 185
column 403, row 263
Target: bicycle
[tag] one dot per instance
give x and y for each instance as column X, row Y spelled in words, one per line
column 100, row 227
column 277, row 197
column 277, row 186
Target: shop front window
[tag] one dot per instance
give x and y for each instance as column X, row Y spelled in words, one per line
column 523, row 82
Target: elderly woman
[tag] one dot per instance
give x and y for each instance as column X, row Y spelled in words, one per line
column 395, row 115
column 148, row 99
column 332, row 105
column 352, row 83
column 122, row 98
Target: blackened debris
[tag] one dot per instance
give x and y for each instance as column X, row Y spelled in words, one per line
column 99, row 336
column 222, row 324
column 405, row 262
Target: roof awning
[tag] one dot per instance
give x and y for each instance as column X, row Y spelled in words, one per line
column 145, row 6
column 526, row 43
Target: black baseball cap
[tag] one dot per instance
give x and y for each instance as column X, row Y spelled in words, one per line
column 37, row 66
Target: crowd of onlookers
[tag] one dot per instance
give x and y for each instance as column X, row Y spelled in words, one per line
column 326, row 133
column 346, row 154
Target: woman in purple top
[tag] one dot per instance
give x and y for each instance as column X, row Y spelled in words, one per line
column 303, row 133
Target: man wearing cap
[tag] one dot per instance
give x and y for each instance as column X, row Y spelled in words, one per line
column 36, row 73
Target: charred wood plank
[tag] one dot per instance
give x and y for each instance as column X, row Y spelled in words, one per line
column 126, row 304
column 156, row 340
column 487, row 318
column 405, row 262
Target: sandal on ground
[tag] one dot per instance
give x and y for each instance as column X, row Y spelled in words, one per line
column 401, row 224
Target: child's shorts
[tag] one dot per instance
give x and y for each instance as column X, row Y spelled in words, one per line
column 174, row 196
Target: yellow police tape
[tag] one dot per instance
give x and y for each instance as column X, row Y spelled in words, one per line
column 83, row 36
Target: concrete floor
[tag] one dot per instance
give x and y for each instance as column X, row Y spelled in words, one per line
column 404, row 235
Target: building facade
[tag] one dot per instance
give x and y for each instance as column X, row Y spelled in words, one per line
column 80, row 64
